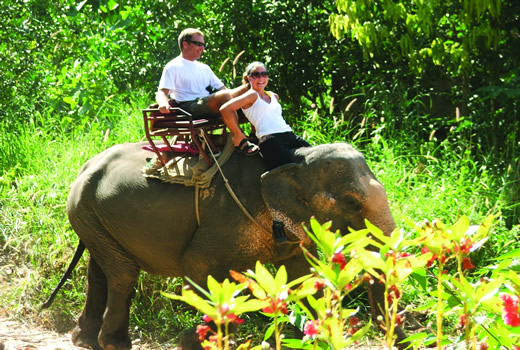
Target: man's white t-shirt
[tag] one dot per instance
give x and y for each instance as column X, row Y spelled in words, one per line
column 187, row 80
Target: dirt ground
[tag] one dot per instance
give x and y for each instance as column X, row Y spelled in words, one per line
column 16, row 335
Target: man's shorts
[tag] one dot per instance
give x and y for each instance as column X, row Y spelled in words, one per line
column 198, row 107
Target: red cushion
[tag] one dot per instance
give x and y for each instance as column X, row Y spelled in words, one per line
column 178, row 148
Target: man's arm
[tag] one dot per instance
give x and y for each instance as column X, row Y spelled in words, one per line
column 162, row 99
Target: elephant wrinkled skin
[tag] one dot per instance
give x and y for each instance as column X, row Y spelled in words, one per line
column 131, row 223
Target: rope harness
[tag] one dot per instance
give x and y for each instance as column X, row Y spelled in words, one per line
column 230, row 190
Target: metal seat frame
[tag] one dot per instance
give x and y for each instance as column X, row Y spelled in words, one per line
column 182, row 124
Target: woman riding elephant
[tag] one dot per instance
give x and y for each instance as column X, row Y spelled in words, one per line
column 264, row 112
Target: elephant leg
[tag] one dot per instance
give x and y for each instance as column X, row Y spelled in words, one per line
column 376, row 292
column 89, row 324
column 121, row 289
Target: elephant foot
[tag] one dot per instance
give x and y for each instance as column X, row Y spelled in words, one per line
column 114, row 347
column 113, row 342
column 189, row 340
column 82, row 339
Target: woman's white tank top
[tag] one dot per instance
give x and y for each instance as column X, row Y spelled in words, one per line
column 266, row 117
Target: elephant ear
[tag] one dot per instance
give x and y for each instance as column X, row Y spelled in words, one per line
column 283, row 192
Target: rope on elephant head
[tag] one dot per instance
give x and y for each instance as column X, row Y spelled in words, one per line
column 230, row 190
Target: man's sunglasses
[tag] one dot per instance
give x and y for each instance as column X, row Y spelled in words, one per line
column 198, row 43
column 259, row 74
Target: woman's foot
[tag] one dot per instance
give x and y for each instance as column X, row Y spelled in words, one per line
column 247, row 148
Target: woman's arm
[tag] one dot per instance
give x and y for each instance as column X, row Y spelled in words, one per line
column 245, row 100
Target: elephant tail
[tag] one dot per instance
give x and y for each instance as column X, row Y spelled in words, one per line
column 77, row 255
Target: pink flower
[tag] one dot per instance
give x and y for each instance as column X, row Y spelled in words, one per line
column 510, row 313
column 339, row 258
column 311, row 328
column 202, row 330
column 206, row 318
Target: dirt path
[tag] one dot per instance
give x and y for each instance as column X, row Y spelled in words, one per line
column 16, row 335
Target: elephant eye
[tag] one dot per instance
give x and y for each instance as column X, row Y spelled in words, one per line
column 351, row 203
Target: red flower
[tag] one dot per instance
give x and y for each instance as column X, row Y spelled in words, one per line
column 319, row 285
column 311, row 328
column 464, row 247
column 430, row 262
column 467, row 265
column 463, row 320
column 268, row 310
column 510, row 313
column 206, row 318
column 353, row 320
column 234, row 319
column 398, row 320
column 213, row 338
column 402, row 255
column 339, row 259
column 280, row 306
column 202, row 330
column 393, row 294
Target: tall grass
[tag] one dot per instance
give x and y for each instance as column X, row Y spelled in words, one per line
column 424, row 179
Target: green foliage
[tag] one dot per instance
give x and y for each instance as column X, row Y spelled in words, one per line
column 487, row 314
column 75, row 75
column 445, row 34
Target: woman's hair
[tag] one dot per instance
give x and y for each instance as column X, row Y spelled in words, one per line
column 250, row 67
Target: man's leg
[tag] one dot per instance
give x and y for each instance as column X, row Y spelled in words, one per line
column 216, row 100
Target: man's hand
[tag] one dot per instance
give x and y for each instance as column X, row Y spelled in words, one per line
column 162, row 100
column 164, row 109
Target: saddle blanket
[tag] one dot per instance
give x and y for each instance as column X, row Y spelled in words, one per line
column 189, row 168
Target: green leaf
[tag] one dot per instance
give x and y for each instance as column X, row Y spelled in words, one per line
column 360, row 333
column 378, row 234
column 280, row 279
column 191, row 298
column 460, row 228
column 249, row 306
column 265, row 279
column 299, row 280
column 419, row 275
column 510, row 255
column 269, row 331
column 297, row 344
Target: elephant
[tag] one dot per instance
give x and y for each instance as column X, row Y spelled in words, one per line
column 131, row 223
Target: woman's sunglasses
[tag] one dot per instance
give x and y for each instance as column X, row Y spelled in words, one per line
column 259, row 74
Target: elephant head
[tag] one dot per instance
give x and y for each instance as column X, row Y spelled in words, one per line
column 330, row 182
